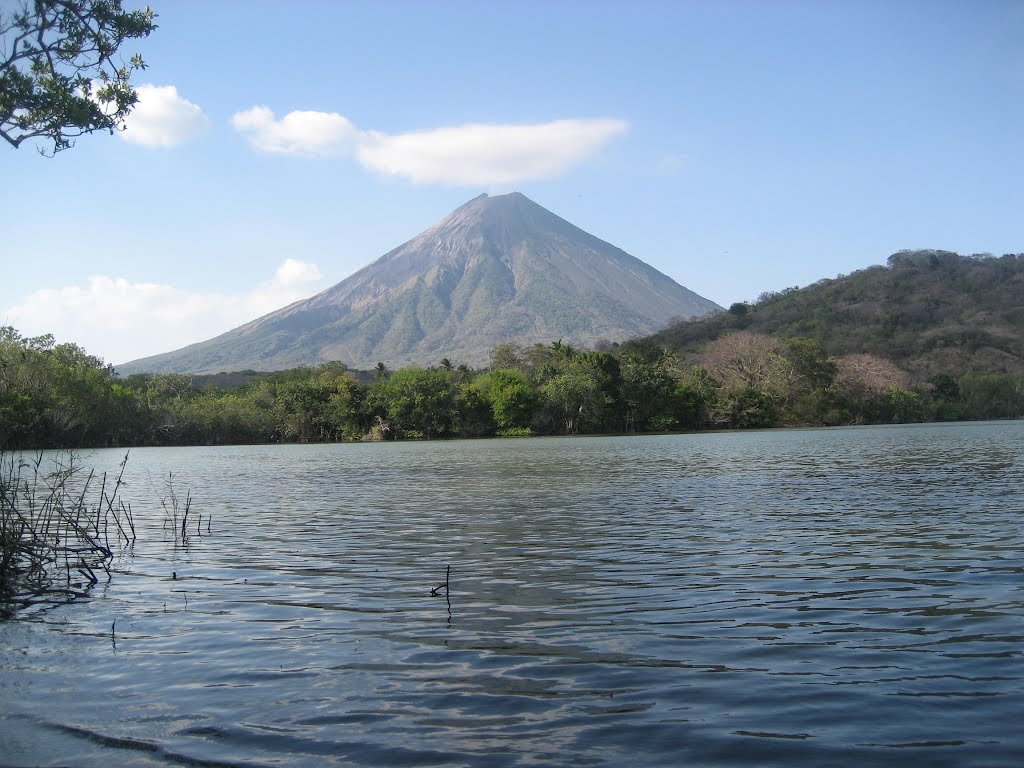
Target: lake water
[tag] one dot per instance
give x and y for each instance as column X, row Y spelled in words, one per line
column 777, row 598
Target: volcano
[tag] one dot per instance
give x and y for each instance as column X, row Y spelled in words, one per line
column 497, row 269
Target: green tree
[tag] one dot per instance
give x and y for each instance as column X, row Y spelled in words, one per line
column 512, row 397
column 81, row 397
column 647, row 386
column 573, row 398
column 472, row 412
column 60, row 73
column 812, row 366
column 53, row 395
column 811, row 398
column 993, row 395
column 944, row 392
column 417, row 402
column 608, row 415
column 693, row 399
column 905, row 405
column 22, row 409
column 227, row 418
column 751, row 409
column 346, row 408
column 322, row 403
column 508, row 355
column 302, row 410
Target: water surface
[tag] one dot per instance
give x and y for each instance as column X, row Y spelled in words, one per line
column 790, row 598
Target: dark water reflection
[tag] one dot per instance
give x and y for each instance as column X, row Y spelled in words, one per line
column 821, row 597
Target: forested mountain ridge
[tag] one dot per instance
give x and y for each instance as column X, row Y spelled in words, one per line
column 928, row 311
column 497, row 269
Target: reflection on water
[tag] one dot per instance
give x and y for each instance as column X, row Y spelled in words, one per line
column 819, row 597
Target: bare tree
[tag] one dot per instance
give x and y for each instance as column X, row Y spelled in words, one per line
column 745, row 360
column 863, row 376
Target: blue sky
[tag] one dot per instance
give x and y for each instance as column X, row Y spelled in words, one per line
column 738, row 147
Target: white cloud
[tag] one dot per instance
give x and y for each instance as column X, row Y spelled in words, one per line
column 473, row 154
column 161, row 118
column 120, row 321
column 295, row 272
column 488, row 154
column 308, row 133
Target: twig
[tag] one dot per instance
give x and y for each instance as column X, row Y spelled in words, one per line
column 446, row 586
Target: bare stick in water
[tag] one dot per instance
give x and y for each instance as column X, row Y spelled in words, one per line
column 446, row 586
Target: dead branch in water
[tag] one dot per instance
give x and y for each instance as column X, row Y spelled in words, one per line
column 176, row 511
column 446, row 586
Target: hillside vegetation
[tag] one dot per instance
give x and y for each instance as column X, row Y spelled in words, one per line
column 929, row 312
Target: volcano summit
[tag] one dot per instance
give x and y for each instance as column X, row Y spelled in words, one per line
column 497, row 269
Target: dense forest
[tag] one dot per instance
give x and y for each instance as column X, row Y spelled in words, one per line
column 928, row 312
column 57, row 395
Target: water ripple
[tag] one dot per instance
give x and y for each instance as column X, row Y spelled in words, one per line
column 819, row 597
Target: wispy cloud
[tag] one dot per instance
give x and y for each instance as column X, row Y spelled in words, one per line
column 162, row 118
column 119, row 320
column 473, row 154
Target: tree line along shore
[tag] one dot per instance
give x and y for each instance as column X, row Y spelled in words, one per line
column 59, row 396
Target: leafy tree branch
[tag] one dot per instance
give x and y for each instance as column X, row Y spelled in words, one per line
column 60, row 72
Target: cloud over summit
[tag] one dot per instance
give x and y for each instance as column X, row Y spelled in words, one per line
column 473, row 154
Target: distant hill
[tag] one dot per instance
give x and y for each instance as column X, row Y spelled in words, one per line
column 497, row 269
column 928, row 311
